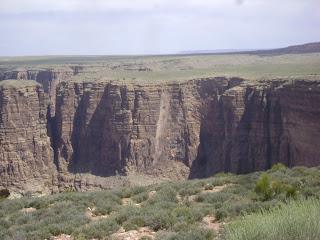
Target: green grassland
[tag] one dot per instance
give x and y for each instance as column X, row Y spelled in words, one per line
column 281, row 203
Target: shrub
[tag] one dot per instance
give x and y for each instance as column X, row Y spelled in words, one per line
column 4, row 193
column 291, row 191
column 160, row 220
column 268, row 189
column 278, row 166
column 295, row 221
column 263, row 187
column 187, row 214
column 214, row 198
column 133, row 223
column 141, row 197
column 167, row 194
column 192, row 233
column 221, row 214
column 99, row 229
column 128, row 192
column 146, row 238
column 208, row 187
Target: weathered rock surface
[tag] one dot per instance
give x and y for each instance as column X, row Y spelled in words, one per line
column 176, row 130
column 144, row 128
column 258, row 125
column 26, row 156
column 48, row 78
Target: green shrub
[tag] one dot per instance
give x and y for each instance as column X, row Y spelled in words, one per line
column 263, row 187
column 269, row 189
column 278, row 166
column 189, row 191
column 129, row 191
column 192, row 233
column 221, row 214
column 187, row 214
column 99, row 229
column 134, row 223
column 160, row 220
column 141, row 197
column 167, row 194
column 291, row 191
column 214, row 198
column 208, row 187
column 146, row 238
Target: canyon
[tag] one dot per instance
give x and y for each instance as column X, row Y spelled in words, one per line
column 59, row 133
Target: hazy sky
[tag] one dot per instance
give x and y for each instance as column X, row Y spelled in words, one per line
column 39, row 27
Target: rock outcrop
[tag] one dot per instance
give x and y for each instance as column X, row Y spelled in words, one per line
column 259, row 125
column 49, row 78
column 172, row 130
column 26, row 156
column 130, row 127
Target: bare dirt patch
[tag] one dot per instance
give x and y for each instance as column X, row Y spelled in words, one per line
column 93, row 217
column 28, row 210
column 62, row 237
column 216, row 189
column 192, row 198
column 129, row 202
column 121, row 234
column 152, row 194
column 210, row 222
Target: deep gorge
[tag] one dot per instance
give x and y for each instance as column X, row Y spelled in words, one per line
column 53, row 131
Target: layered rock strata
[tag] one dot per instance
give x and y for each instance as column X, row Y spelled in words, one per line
column 259, row 125
column 175, row 130
column 130, row 127
column 26, row 156
column 48, row 78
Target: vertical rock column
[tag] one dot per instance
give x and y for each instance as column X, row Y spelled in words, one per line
column 26, row 156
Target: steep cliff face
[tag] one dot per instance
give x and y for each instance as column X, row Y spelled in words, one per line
column 205, row 126
column 26, row 157
column 143, row 128
column 175, row 130
column 259, row 125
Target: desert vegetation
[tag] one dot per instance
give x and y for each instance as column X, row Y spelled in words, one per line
column 225, row 206
column 296, row 220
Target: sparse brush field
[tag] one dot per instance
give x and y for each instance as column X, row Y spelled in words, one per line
column 280, row 204
column 164, row 68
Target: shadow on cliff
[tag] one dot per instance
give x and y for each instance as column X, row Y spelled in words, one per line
column 235, row 143
column 94, row 150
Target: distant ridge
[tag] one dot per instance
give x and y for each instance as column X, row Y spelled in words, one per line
column 313, row 47
column 295, row 49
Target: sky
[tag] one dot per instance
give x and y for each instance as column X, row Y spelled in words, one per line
column 107, row 27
